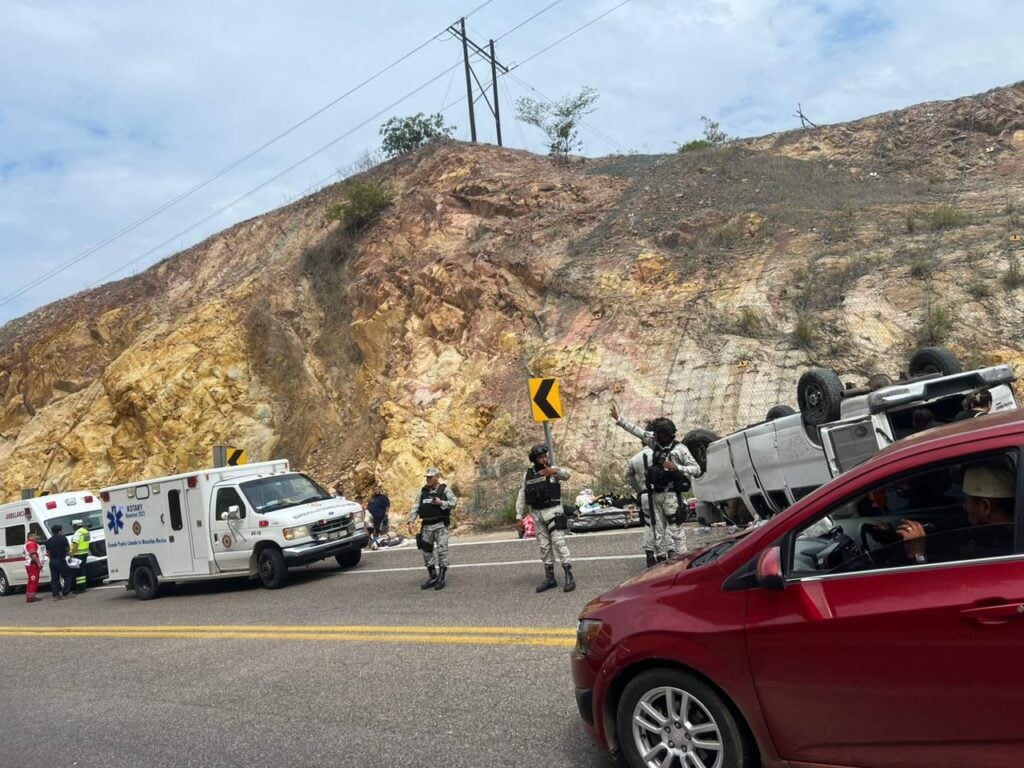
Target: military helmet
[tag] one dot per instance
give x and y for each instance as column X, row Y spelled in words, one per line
column 537, row 450
column 662, row 425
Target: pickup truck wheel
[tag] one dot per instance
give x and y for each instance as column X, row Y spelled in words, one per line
column 144, row 581
column 5, row 585
column 273, row 572
column 778, row 411
column 697, row 442
column 669, row 717
column 349, row 559
column 934, row 360
column 820, row 394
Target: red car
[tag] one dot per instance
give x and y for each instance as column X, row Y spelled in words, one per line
column 878, row 622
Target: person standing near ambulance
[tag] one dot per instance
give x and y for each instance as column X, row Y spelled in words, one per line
column 542, row 492
column 34, row 566
column 433, row 505
column 80, row 550
column 57, row 549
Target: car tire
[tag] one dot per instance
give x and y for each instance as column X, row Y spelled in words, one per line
column 271, row 568
column 934, row 360
column 820, row 395
column 349, row 559
column 144, row 583
column 778, row 411
column 5, row 584
column 708, row 725
column 697, row 442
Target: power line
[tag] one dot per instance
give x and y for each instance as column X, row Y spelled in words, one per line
column 566, row 37
column 335, row 141
column 219, row 174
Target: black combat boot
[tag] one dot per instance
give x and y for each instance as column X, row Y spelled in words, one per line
column 549, row 579
column 440, row 577
column 432, row 580
column 661, row 558
column 570, row 582
column 650, row 557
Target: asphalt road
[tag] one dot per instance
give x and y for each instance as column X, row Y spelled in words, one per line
column 339, row 668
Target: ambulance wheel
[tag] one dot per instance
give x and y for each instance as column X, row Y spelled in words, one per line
column 273, row 571
column 349, row 559
column 144, row 581
column 5, row 585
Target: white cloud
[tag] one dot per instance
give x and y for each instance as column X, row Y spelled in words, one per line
column 116, row 108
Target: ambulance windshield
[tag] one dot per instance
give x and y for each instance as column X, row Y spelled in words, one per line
column 279, row 491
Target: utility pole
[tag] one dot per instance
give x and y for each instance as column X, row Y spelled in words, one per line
column 459, row 32
column 469, row 85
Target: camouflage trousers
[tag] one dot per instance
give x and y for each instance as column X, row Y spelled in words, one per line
column 436, row 534
column 549, row 539
column 662, row 537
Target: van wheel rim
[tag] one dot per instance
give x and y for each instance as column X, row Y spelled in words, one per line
column 673, row 729
column 266, row 569
column 4, row 584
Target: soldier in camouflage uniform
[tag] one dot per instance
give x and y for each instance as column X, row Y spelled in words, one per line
column 667, row 464
column 433, row 505
column 652, row 545
column 541, row 491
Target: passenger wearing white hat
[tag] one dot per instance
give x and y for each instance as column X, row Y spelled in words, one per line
column 989, row 493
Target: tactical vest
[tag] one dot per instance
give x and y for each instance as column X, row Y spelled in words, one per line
column 428, row 511
column 660, row 479
column 82, row 546
column 542, row 492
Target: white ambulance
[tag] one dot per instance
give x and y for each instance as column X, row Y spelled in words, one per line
column 39, row 515
column 255, row 520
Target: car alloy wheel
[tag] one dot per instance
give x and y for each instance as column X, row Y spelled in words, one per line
column 672, row 728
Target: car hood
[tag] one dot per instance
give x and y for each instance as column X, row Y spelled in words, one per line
column 325, row 509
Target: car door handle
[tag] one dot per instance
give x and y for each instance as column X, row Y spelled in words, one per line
column 995, row 614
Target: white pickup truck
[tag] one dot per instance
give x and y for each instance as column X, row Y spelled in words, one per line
column 760, row 470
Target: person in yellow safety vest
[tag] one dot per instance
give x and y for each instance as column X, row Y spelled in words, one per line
column 80, row 550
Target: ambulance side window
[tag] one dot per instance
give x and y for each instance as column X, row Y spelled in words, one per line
column 174, row 506
column 228, row 497
column 37, row 530
column 16, row 535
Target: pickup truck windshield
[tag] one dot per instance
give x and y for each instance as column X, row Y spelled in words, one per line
column 280, row 491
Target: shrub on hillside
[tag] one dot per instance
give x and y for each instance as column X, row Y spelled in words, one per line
column 365, row 202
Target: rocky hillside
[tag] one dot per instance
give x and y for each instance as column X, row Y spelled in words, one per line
column 698, row 284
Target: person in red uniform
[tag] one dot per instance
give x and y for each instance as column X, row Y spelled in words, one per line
column 34, row 565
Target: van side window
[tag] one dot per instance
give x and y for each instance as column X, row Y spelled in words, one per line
column 950, row 512
column 37, row 530
column 228, row 497
column 174, row 506
column 16, row 535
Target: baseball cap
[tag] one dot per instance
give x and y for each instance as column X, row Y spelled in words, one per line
column 989, row 482
column 433, row 472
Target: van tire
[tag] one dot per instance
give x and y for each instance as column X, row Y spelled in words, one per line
column 144, row 582
column 349, row 559
column 5, row 584
column 934, row 360
column 820, row 395
column 778, row 411
column 271, row 568
column 697, row 442
column 704, row 704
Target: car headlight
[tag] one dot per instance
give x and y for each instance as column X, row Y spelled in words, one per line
column 298, row 532
column 586, row 631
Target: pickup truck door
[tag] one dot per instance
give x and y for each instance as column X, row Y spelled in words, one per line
column 849, row 443
column 231, row 548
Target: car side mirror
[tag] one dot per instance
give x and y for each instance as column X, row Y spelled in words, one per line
column 769, row 569
column 233, row 513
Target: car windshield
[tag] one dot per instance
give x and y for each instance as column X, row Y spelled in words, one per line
column 93, row 520
column 280, row 491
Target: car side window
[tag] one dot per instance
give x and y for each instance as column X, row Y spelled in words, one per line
column 226, row 498
column 947, row 512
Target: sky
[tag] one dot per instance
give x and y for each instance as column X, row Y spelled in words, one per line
column 115, row 118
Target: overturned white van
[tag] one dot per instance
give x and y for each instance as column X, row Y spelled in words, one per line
column 255, row 520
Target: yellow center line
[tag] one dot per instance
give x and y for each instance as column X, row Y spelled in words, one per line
column 525, row 636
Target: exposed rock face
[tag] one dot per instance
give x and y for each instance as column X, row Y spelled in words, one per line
column 698, row 285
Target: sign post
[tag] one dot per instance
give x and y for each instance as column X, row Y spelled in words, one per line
column 229, row 456
column 546, row 402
